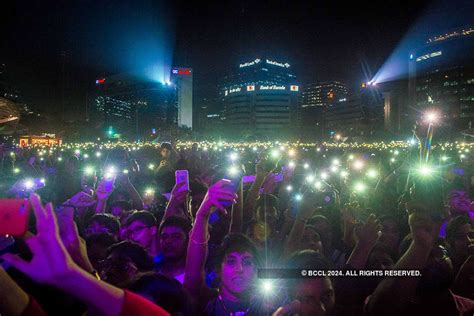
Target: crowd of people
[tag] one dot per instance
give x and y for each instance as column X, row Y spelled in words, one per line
column 111, row 232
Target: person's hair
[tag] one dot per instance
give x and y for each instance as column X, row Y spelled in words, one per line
column 318, row 218
column 197, row 188
column 165, row 145
column 107, row 220
column 166, row 292
column 177, row 221
column 236, row 242
column 309, row 259
column 406, row 242
column 143, row 216
column 136, row 253
column 311, row 227
column 389, row 218
column 454, row 224
column 103, row 239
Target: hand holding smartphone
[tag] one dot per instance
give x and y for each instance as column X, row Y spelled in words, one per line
column 14, row 216
column 182, row 176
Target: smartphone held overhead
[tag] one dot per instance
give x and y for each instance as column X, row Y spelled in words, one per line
column 14, row 216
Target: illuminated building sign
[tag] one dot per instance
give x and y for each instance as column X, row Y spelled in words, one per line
column 268, row 61
column 250, row 88
column 426, row 56
column 274, row 87
column 40, row 140
column 251, row 63
column 181, row 71
column 233, row 90
column 100, row 81
column 274, row 63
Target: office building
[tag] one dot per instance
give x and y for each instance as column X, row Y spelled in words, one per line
column 362, row 114
column 323, row 94
column 134, row 106
column 261, row 99
column 441, row 76
column 183, row 79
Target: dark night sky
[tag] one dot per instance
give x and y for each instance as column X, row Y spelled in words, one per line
column 322, row 40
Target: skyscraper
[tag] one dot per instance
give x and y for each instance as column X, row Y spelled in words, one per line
column 260, row 98
column 134, row 106
column 442, row 76
column 323, row 94
column 183, row 79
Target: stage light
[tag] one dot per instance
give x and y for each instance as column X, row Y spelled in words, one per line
column 431, row 117
column 425, row 170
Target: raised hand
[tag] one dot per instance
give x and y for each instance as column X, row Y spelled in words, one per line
column 270, row 183
column 308, row 204
column 75, row 245
column 424, row 229
column 368, row 233
column 51, row 262
column 178, row 194
column 293, row 308
column 81, row 200
column 218, row 193
column 105, row 188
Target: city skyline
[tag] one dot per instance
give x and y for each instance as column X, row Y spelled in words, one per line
column 63, row 51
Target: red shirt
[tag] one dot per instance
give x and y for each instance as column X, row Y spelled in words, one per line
column 136, row 305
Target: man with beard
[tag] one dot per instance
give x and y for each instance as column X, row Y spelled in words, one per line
column 173, row 243
column 429, row 294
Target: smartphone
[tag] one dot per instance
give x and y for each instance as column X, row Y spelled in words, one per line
column 14, row 216
column 235, row 179
column 182, row 176
column 109, row 181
